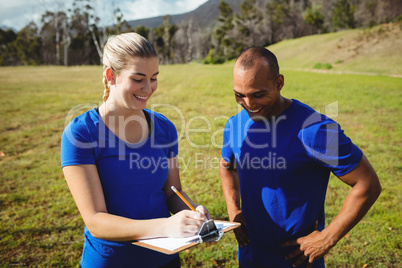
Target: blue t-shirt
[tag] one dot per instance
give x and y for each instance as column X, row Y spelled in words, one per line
column 132, row 178
column 284, row 166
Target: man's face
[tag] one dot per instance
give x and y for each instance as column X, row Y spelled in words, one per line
column 256, row 91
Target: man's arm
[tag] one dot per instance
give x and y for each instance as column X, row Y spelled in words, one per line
column 365, row 190
column 231, row 191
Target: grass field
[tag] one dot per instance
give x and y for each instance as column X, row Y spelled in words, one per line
column 40, row 225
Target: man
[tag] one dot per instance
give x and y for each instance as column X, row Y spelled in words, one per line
column 277, row 156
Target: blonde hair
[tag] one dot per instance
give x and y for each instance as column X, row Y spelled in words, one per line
column 118, row 51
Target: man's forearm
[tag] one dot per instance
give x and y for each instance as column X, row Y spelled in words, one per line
column 231, row 189
column 365, row 190
column 356, row 205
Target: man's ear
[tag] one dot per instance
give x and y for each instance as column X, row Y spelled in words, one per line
column 109, row 76
column 280, row 82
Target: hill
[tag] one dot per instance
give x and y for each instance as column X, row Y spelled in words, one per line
column 204, row 16
column 376, row 50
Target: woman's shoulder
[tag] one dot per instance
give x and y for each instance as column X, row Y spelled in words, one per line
column 160, row 119
column 84, row 122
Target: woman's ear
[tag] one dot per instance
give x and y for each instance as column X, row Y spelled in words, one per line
column 109, row 76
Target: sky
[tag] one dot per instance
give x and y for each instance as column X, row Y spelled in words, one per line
column 16, row 14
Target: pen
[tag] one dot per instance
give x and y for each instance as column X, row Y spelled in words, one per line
column 182, row 198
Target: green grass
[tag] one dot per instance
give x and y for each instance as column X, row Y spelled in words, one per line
column 40, row 224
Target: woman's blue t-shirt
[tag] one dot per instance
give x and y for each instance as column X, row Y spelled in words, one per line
column 132, row 178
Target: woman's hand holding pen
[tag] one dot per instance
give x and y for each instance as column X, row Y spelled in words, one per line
column 203, row 211
column 184, row 223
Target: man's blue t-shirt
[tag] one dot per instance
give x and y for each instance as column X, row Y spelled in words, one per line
column 284, row 166
column 132, row 177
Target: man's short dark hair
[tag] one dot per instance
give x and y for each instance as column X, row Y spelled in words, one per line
column 250, row 55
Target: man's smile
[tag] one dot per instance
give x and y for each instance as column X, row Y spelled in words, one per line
column 253, row 110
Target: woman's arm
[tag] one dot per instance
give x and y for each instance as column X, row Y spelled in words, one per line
column 85, row 186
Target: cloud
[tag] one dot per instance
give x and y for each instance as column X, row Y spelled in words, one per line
column 15, row 14
column 141, row 9
column 187, row 5
column 18, row 13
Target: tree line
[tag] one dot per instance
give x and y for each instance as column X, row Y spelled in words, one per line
column 75, row 36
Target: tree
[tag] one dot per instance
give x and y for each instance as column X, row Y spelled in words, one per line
column 343, row 15
column 315, row 18
column 121, row 25
column 276, row 14
column 286, row 19
column 142, row 30
column 50, row 51
column 190, row 47
column 164, row 39
column 74, row 35
column 28, row 45
column 8, row 52
column 53, row 27
column 55, row 31
column 100, row 33
column 84, row 21
column 224, row 41
column 183, row 42
column 247, row 22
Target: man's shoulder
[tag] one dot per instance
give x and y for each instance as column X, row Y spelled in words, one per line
column 302, row 108
column 309, row 116
column 239, row 116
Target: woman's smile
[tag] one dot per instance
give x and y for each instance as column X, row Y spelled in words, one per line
column 141, row 98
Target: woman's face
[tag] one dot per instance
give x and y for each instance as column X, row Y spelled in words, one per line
column 135, row 84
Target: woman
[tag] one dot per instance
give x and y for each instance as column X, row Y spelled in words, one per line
column 120, row 162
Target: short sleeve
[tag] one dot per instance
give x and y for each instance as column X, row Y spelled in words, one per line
column 227, row 152
column 327, row 144
column 76, row 145
column 165, row 134
column 173, row 148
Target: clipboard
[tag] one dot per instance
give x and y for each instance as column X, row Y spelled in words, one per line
column 172, row 245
